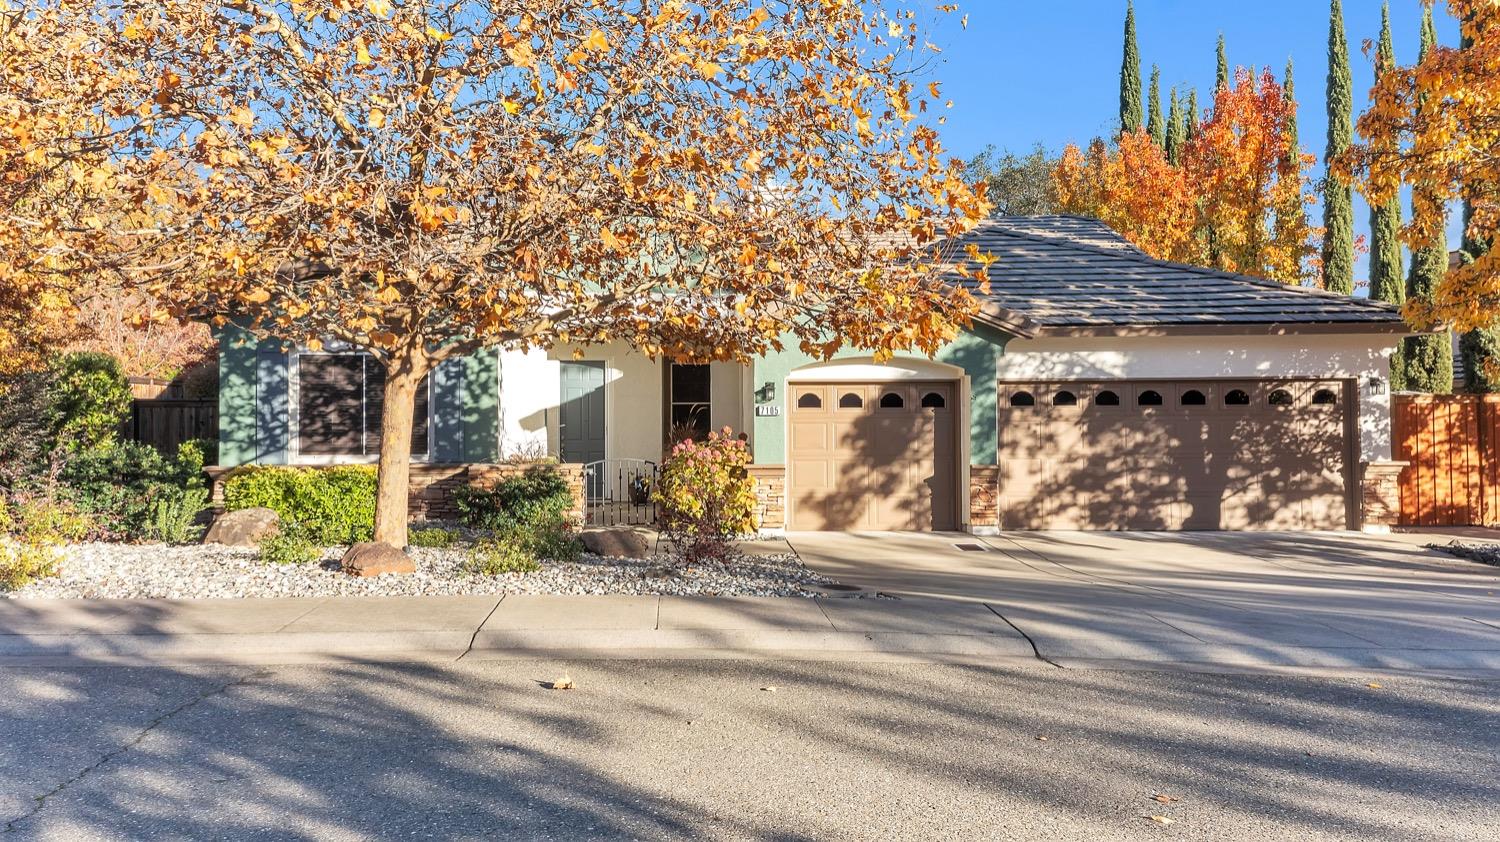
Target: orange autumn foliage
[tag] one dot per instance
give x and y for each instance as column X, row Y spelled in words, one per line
column 1237, row 202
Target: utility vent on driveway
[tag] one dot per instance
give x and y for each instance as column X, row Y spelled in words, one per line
column 970, row 548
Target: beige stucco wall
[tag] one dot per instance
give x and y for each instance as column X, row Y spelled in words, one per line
column 530, row 393
column 1332, row 356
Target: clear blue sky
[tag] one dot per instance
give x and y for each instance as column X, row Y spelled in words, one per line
column 1048, row 72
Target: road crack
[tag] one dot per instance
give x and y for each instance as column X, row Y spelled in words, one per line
column 12, row 825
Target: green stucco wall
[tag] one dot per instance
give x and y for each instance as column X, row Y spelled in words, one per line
column 254, row 392
column 975, row 352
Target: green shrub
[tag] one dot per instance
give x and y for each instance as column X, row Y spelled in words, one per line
column 173, row 516
column 706, row 497
column 433, row 538
column 119, row 485
column 532, row 509
column 22, row 563
column 290, row 546
column 333, row 505
column 499, row 555
column 90, row 397
column 44, row 520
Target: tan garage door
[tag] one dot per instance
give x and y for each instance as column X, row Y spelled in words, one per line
column 1176, row 455
column 877, row 456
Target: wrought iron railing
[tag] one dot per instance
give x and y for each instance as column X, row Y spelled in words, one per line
column 617, row 492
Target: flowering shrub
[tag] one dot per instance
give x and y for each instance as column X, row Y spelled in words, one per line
column 706, row 497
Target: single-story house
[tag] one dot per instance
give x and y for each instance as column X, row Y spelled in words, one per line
column 1099, row 389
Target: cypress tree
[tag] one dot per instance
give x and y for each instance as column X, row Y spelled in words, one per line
column 1156, row 125
column 1425, row 363
column 1176, row 131
column 1130, row 77
column 1192, row 114
column 1291, row 121
column 1338, row 195
column 1480, row 348
column 1386, row 283
column 1222, row 81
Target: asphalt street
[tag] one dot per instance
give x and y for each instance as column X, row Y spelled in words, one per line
column 741, row 750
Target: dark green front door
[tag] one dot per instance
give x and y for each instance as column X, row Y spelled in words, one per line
column 581, row 420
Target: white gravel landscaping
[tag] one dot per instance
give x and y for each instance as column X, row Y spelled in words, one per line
column 134, row 571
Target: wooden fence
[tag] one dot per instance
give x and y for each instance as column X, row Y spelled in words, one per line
column 165, row 424
column 1451, row 442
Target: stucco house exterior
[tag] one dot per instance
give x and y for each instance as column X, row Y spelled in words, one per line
column 1099, row 389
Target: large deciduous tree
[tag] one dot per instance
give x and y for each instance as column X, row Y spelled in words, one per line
column 1237, row 201
column 423, row 179
column 1016, row 185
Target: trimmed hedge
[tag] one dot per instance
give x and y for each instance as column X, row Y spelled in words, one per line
column 332, row 506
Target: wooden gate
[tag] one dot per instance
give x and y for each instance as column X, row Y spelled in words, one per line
column 1451, row 442
column 166, row 424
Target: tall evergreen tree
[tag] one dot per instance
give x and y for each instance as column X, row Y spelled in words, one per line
column 1425, row 363
column 1386, row 276
column 1338, row 195
column 1130, row 76
column 1222, row 80
column 1176, row 131
column 1155, row 124
column 1480, row 348
column 1290, row 88
column 1192, row 114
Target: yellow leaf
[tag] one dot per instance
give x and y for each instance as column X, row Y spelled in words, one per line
column 439, row 35
column 361, row 52
column 243, row 117
column 379, row 8
column 511, row 106
column 894, row 29
column 596, row 41
column 709, row 69
column 257, row 296
column 376, row 119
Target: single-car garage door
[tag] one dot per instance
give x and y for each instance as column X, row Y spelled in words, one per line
column 877, row 456
column 1206, row 454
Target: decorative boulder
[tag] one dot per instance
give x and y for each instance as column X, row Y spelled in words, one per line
column 243, row 528
column 375, row 558
column 616, row 543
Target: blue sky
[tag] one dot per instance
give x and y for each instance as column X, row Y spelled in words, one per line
column 1048, row 72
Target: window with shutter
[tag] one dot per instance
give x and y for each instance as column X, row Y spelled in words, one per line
column 340, row 400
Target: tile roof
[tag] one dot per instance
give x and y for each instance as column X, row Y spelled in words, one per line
column 1069, row 273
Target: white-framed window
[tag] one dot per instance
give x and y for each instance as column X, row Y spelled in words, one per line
column 336, row 408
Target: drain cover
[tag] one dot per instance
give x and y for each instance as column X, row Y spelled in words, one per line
column 970, row 548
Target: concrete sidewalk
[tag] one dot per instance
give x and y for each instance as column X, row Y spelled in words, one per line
column 448, row 628
column 294, row 630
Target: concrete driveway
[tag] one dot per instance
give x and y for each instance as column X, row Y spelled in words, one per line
column 1257, row 599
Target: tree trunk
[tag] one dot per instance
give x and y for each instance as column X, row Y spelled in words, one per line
column 393, row 486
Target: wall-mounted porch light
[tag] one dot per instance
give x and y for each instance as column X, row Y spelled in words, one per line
column 1376, row 386
column 766, row 393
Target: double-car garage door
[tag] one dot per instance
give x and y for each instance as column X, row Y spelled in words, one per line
column 1209, row 454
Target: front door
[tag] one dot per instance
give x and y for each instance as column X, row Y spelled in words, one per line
column 581, row 418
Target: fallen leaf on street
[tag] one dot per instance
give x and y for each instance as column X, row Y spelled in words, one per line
column 1374, row 684
column 564, row 683
column 1165, row 799
column 1162, row 819
column 1043, row 738
column 768, row 689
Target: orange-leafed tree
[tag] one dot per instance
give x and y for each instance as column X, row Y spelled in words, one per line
column 1435, row 127
column 1237, row 201
column 1135, row 190
column 425, row 178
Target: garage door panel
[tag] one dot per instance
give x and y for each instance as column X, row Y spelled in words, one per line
column 872, row 456
column 1195, row 455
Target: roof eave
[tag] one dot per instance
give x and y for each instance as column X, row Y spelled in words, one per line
column 1381, row 328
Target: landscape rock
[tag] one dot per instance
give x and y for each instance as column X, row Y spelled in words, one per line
column 616, row 543
column 376, row 558
column 243, row 528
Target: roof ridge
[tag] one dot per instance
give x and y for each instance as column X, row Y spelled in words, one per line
column 1137, row 255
